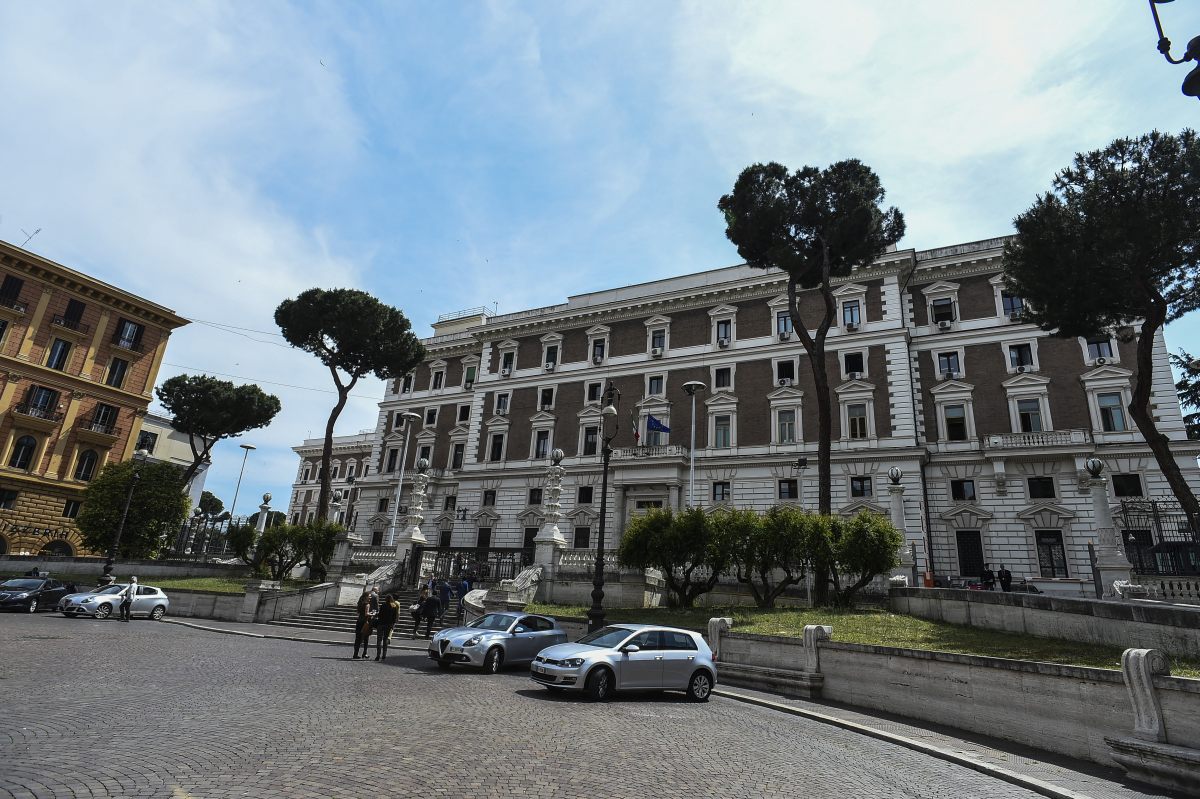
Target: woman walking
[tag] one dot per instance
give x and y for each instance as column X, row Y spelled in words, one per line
column 389, row 611
column 362, row 626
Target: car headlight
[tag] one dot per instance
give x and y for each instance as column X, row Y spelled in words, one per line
column 21, row 595
column 573, row 663
column 473, row 640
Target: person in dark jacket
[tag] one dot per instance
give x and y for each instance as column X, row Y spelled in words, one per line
column 429, row 611
column 415, row 610
column 443, row 597
column 988, row 578
column 389, row 612
column 1005, row 578
column 362, row 626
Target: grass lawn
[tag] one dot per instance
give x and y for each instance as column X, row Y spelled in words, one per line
column 881, row 628
column 218, row 585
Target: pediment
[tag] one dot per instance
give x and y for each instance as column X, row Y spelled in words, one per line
column 497, row 421
column 426, row 435
column 460, row 430
column 785, row 393
column 723, row 310
column 440, row 363
column 542, row 416
column 471, row 360
column 965, row 510
column 850, row 289
column 1027, row 380
column 590, row 412
column 584, row 514
column 1106, row 372
column 486, row 515
column 939, row 288
column 855, row 387
column 859, row 505
column 444, row 520
column 778, row 302
column 653, row 401
column 952, row 387
column 598, row 330
column 531, row 517
column 658, row 320
column 997, row 279
column 1044, row 509
column 377, row 519
column 551, row 338
column 507, row 344
column 719, row 399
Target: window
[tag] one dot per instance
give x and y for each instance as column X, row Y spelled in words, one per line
column 406, row 387
column 789, row 489
column 496, row 452
column 721, row 491
column 785, row 370
column 722, row 431
column 942, row 310
column 658, row 339
column 1041, row 488
column 584, row 497
column 1052, row 557
column 591, row 439
column 541, row 444
column 1112, row 413
column 501, row 404
column 424, row 453
column 552, row 354
column 1099, row 347
column 860, row 487
column 956, row 422
column 787, row 426
column 489, row 498
column 507, row 360
column 547, row 398
column 583, row 537
column 948, row 364
column 22, row 454
column 350, row 471
column 783, row 322
column 856, row 418
column 962, row 490
column 854, row 363
column 117, row 368
column 148, row 441
column 469, row 377
column 456, row 459
column 724, row 377
column 60, row 354
column 307, row 474
column 674, row 640
column 85, row 467
column 393, row 455
column 382, row 505
column 464, row 413
column 1020, row 355
column 535, row 496
column 128, row 335
column 483, row 539
column 970, row 553
column 725, row 329
column 41, row 401
column 104, row 419
column 436, row 382
column 1029, row 414
column 450, row 502
column 8, row 499
column 851, row 315
column 593, row 392
column 598, row 350
column 71, row 508
column 431, row 416
column 10, row 289
column 530, row 534
column 1012, row 304
column 1127, row 485
column 654, row 385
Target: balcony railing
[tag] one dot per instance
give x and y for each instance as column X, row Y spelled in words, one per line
column 13, row 304
column 656, row 451
column 362, row 553
column 128, row 344
column 1045, row 438
column 69, row 324
column 38, row 412
column 97, row 426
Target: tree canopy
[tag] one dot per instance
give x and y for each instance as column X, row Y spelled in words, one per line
column 156, row 508
column 1189, row 391
column 210, row 504
column 1113, row 247
column 353, row 333
column 207, row 410
column 768, row 552
column 680, row 545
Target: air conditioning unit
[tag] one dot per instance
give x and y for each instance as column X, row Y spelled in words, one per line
column 1023, row 369
column 597, row 359
column 547, row 406
column 468, row 385
column 549, row 366
column 502, row 411
column 505, row 372
column 656, row 352
column 948, row 375
column 1014, row 317
column 722, row 342
column 785, row 335
column 856, row 375
column 785, row 381
column 945, row 325
column 1101, row 361
column 851, row 327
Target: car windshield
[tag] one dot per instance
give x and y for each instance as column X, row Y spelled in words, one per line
column 21, row 585
column 110, row 589
column 493, row 621
column 606, row 637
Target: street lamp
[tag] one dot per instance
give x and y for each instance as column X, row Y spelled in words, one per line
column 246, row 448
column 139, row 459
column 1191, row 83
column 692, row 387
column 410, row 419
column 612, row 398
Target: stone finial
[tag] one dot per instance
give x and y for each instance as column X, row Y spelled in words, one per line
column 422, row 465
column 895, row 474
column 556, row 456
column 814, row 634
column 1138, row 669
column 716, row 626
column 266, row 499
column 1094, row 467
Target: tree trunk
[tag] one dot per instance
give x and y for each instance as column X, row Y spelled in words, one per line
column 1139, row 409
column 327, row 450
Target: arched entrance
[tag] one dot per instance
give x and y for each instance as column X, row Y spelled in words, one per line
column 57, row 549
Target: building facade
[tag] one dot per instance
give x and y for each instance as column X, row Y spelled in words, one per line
column 932, row 371
column 78, row 362
column 165, row 444
column 351, row 461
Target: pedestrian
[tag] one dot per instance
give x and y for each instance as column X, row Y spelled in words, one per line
column 987, row 578
column 374, row 600
column 362, row 625
column 72, row 588
column 389, row 612
column 416, row 608
column 1005, row 579
column 127, row 598
column 443, row 598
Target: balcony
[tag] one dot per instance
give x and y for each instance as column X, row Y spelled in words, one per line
column 13, row 304
column 97, row 431
column 646, row 452
column 1040, row 440
column 37, row 417
column 71, row 325
column 129, row 345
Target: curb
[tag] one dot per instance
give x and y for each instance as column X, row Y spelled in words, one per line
column 298, row 638
column 998, row 772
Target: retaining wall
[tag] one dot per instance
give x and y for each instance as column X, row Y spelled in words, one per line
column 205, row 604
column 145, row 570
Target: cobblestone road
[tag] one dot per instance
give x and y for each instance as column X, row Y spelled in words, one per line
column 105, row 709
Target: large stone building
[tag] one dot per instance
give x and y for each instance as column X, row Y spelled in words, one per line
column 351, row 460
column 78, row 361
column 989, row 419
column 165, row 444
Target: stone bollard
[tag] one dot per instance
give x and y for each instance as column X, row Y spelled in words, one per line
column 716, row 626
column 814, row 634
column 254, row 591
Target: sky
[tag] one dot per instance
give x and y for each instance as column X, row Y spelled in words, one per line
column 218, row 158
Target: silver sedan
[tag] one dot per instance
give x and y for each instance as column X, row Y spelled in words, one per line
column 495, row 639
column 630, row 657
column 103, row 602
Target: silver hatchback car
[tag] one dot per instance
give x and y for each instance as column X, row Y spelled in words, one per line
column 629, row 657
column 104, row 602
column 495, row 639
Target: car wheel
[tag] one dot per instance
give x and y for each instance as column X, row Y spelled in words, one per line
column 33, row 606
column 104, row 611
column 599, row 685
column 444, row 665
column 158, row 612
column 494, row 660
column 699, row 687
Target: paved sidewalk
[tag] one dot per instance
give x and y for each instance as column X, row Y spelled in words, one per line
column 285, row 633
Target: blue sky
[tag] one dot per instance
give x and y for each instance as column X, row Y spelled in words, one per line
column 218, row 157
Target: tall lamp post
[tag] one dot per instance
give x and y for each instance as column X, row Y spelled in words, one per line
column 246, row 453
column 139, row 459
column 692, row 387
column 612, row 398
column 410, row 419
column 1191, row 83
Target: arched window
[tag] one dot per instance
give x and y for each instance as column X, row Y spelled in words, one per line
column 3, row 545
column 57, row 549
column 22, row 454
column 85, row 468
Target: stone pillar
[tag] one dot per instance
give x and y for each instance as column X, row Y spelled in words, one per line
column 416, row 508
column 550, row 538
column 676, row 504
column 617, row 528
column 896, row 512
column 1111, row 561
column 254, row 591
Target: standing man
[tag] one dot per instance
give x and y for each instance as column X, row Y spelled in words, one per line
column 389, row 612
column 988, row 578
column 1005, row 579
column 127, row 598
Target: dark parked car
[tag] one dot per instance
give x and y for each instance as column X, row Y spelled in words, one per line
column 30, row 594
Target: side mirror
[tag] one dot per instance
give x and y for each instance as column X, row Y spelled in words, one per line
column 629, row 649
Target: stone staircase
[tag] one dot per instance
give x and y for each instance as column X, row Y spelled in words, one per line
column 341, row 618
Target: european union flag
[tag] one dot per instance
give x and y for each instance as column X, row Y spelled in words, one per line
column 655, row 426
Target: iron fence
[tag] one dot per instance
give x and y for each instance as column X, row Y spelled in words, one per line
column 1159, row 537
column 202, row 538
column 482, row 564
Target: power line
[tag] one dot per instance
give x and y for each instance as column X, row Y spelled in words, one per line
column 233, row 327
column 234, row 331
column 268, row 382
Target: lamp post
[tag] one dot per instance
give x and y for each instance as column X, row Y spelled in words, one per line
column 139, row 459
column 612, row 398
column 692, row 387
column 409, row 418
column 246, row 453
column 1191, row 83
